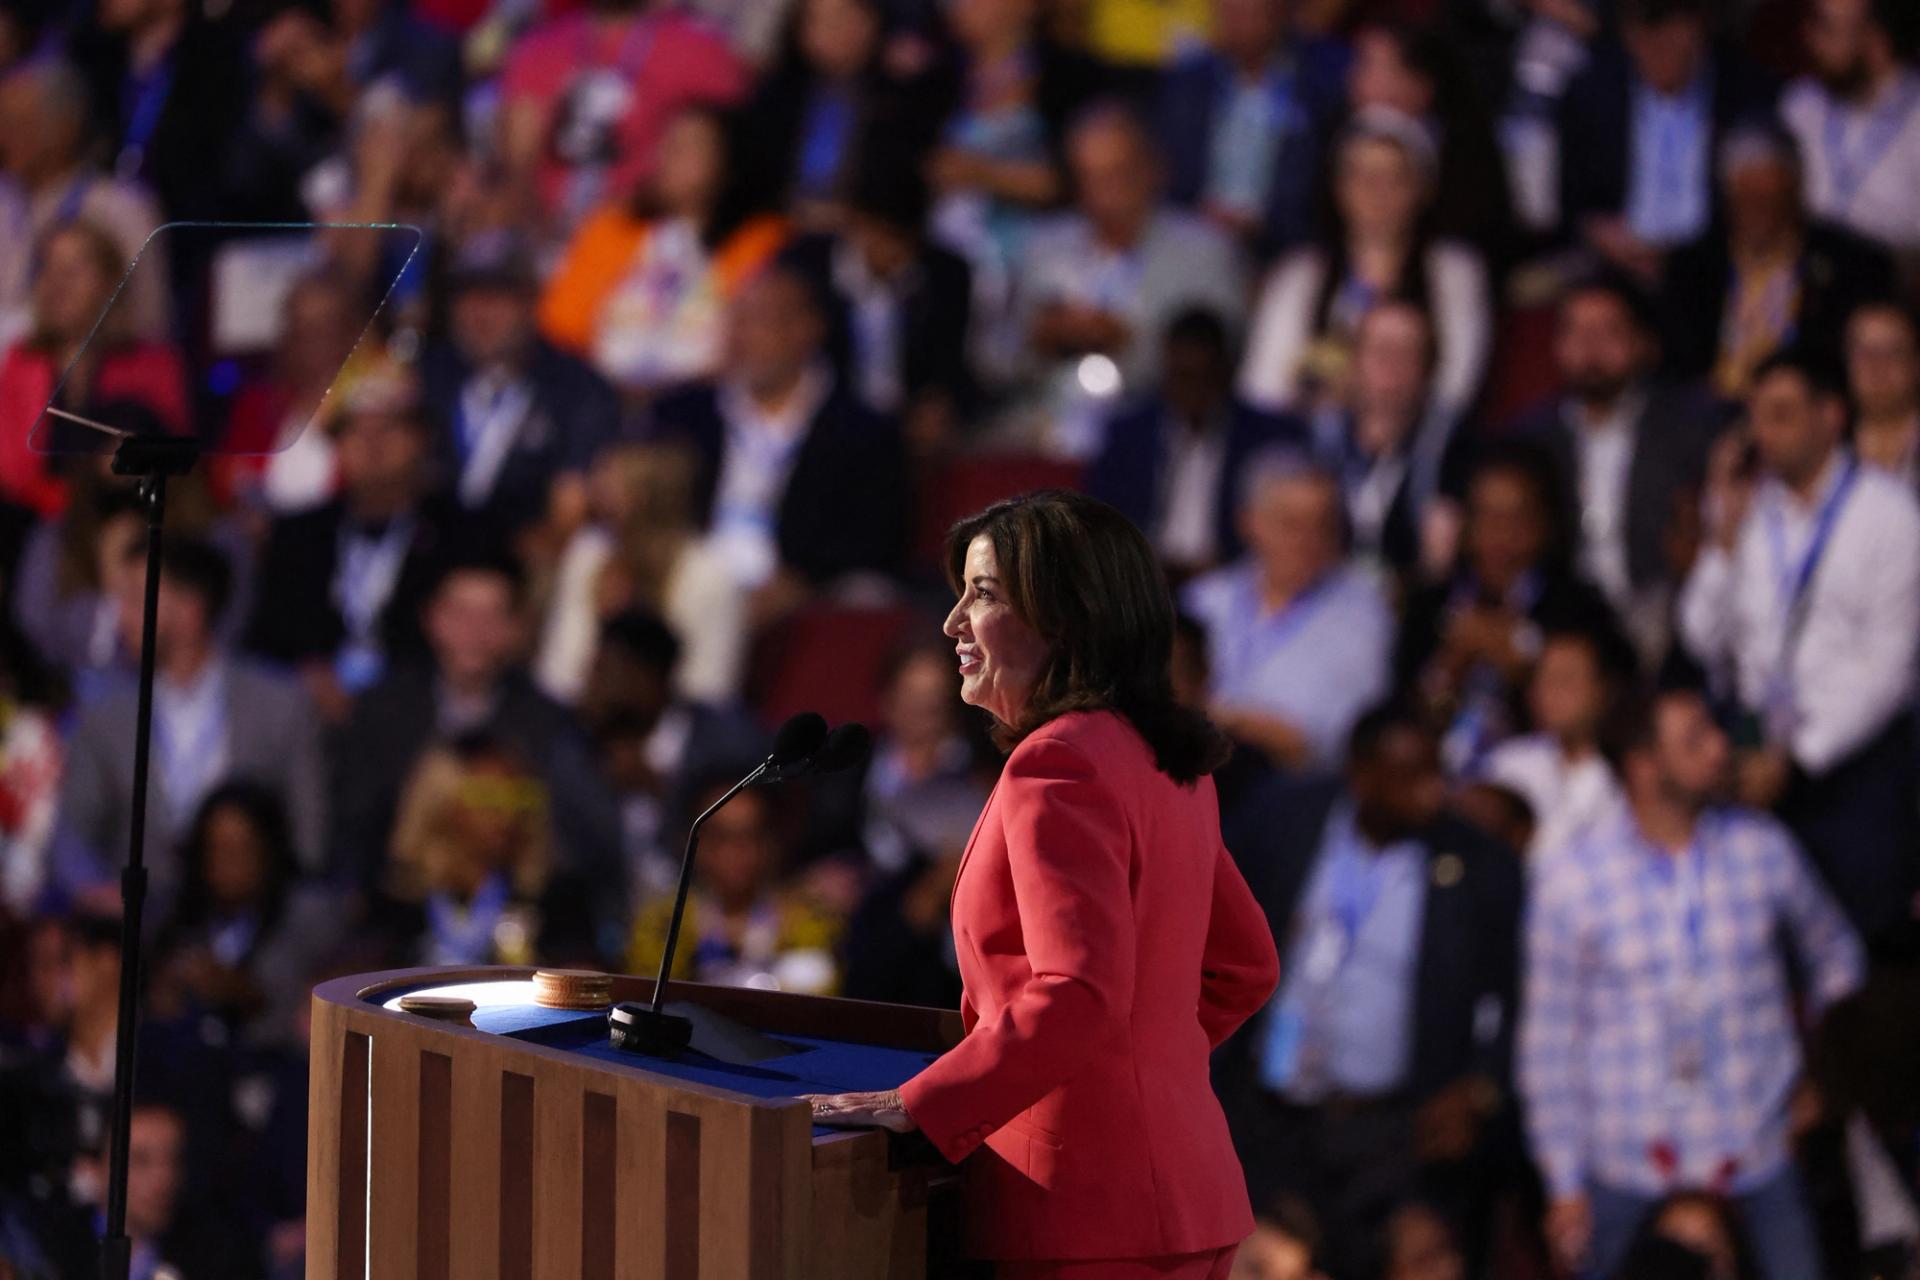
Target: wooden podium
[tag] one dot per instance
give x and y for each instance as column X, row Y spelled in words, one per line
column 446, row 1152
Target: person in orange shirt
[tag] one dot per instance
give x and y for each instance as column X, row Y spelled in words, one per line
column 643, row 287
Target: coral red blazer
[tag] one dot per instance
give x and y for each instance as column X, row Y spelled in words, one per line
column 1107, row 944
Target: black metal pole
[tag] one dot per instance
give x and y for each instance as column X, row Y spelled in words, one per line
column 686, row 882
column 116, row 1250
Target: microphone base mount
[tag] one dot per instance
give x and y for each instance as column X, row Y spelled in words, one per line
column 637, row 1028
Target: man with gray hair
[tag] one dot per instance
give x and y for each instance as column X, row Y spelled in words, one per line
column 48, row 180
column 1300, row 641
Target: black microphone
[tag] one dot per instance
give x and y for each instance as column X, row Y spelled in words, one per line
column 844, row 748
column 649, row 1030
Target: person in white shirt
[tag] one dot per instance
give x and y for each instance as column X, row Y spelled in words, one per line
column 1857, row 117
column 1808, row 597
column 1558, row 768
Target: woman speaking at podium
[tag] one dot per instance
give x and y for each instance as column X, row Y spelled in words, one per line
column 1106, row 941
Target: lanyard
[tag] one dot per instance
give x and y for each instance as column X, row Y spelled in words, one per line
column 1851, row 169
column 487, row 427
column 150, row 94
column 369, row 570
column 1793, row 580
column 466, row 937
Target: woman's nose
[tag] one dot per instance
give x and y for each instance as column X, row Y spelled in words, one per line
column 952, row 626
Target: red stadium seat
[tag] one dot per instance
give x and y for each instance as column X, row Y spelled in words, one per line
column 1524, row 372
column 960, row 486
column 830, row 658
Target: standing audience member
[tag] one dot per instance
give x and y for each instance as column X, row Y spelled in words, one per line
column 798, row 483
column 1174, row 461
column 1558, row 768
column 922, row 789
column 1808, row 599
column 520, row 420
column 1098, row 286
column 1300, row 642
column 1774, row 279
column 1379, row 248
column 899, row 306
column 216, row 717
column 374, row 550
column 1657, row 1050
column 72, row 576
column 1380, row 1068
column 1640, row 129
column 1243, row 122
column 1857, row 117
column 643, row 287
column 1626, row 444
column 1883, row 381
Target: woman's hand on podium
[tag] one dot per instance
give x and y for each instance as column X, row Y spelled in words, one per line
column 882, row 1110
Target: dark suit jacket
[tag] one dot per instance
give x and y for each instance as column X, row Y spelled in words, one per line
column 393, row 723
column 1838, row 272
column 1190, row 100
column 1130, row 471
column 1596, row 129
column 846, row 506
column 1676, row 428
column 933, row 323
column 1469, row 933
column 295, row 618
column 575, row 414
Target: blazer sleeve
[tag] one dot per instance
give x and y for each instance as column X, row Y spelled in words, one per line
column 1070, row 853
column 1240, row 967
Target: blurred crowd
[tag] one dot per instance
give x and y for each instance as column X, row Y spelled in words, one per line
column 1523, row 395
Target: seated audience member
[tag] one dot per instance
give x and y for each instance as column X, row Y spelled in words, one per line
column 1379, row 250
column 798, row 483
column 77, row 268
column 640, row 549
column 1171, row 461
column 899, row 943
column 586, row 96
column 899, row 305
column 1639, row 130
column 1468, row 643
column 1284, row 1244
column 1300, row 642
column 837, row 87
column 743, row 926
column 1625, row 444
column 275, row 457
column 1421, row 1245
column 1380, row 1069
column 1857, row 117
column 1707, row 1224
column 340, row 586
column 643, row 288
column 245, row 932
column 1883, row 381
column 1097, row 286
column 922, row 788
column 1808, row 597
column 1558, row 767
column 1394, row 448
column 1773, row 278
column 1417, row 70
column 1637, row 1086
column 520, row 420
column 75, row 570
column 216, row 717
column 1243, row 119
column 469, row 683
column 46, row 154
column 652, row 740
column 471, row 860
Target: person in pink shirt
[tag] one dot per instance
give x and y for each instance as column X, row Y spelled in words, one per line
column 586, row 96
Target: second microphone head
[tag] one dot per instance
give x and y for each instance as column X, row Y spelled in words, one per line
column 798, row 738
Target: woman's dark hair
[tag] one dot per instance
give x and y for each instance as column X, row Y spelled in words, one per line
column 739, row 195
column 1078, row 572
column 262, row 809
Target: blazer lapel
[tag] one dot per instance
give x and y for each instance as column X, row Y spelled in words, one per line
column 979, row 823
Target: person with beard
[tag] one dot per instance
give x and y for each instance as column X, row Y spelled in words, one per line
column 1658, row 1046
column 1624, row 444
column 1857, row 116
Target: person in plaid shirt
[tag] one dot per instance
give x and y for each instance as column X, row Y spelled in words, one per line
column 1657, row 1044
